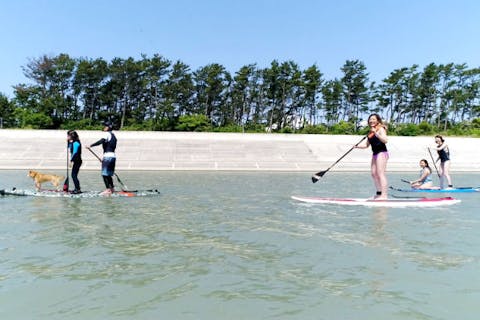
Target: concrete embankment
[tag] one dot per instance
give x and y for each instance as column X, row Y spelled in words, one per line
column 45, row 150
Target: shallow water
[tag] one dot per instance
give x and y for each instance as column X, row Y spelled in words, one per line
column 223, row 245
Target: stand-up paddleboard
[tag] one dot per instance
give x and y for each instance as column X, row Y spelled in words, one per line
column 87, row 194
column 447, row 190
column 394, row 203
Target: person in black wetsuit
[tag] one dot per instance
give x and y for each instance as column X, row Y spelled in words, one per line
column 377, row 139
column 75, row 148
column 109, row 144
column 444, row 157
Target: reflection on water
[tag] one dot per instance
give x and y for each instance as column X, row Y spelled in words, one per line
column 235, row 246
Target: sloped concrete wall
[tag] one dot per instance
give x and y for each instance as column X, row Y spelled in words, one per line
column 46, row 150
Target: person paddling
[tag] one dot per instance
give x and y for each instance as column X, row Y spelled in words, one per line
column 75, row 148
column 425, row 179
column 109, row 144
column 444, row 157
column 377, row 139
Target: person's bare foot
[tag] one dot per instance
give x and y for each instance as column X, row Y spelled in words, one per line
column 107, row 192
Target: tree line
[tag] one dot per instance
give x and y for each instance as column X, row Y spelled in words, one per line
column 154, row 93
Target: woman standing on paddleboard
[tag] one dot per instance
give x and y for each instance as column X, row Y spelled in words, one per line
column 75, row 147
column 444, row 157
column 377, row 139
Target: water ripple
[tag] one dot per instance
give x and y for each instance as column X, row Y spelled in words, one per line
column 234, row 246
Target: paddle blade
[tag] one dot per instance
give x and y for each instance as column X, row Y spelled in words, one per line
column 65, row 185
column 317, row 176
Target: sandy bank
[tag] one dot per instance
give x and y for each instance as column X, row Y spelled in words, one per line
column 45, row 150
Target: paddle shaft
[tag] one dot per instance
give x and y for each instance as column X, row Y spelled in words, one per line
column 433, row 160
column 116, row 176
column 321, row 173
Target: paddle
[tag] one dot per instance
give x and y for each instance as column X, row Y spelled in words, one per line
column 125, row 188
column 65, row 184
column 320, row 174
column 406, row 181
column 434, row 164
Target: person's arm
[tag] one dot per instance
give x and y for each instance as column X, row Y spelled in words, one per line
column 425, row 173
column 106, row 137
column 363, row 145
column 441, row 147
column 99, row 142
column 381, row 134
column 75, row 148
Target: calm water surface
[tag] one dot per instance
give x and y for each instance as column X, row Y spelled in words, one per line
column 235, row 246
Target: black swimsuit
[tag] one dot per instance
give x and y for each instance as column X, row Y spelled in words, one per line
column 444, row 154
column 377, row 145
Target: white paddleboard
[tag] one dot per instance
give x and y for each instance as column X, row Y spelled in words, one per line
column 87, row 194
column 394, row 203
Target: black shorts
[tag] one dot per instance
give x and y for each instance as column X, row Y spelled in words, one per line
column 108, row 166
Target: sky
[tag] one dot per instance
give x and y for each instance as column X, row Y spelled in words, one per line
column 384, row 34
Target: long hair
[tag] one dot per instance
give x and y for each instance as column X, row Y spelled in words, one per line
column 74, row 135
column 426, row 165
column 379, row 120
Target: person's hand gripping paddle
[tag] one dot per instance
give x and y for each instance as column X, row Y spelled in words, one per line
column 320, row 174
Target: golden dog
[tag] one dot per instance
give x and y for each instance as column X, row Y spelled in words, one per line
column 40, row 178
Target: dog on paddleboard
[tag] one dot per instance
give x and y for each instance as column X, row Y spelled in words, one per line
column 40, row 178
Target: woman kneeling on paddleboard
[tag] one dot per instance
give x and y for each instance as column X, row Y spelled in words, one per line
column 377, row 139
column 425, row 180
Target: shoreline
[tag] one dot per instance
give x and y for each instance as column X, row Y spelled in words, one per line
column 207, row 151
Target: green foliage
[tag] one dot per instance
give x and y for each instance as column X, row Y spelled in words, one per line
column 391, row 128
column 156, row 94
column 408, row 129
column 6, row 112
column 425, row 128
column 343, row 127
column 318, row 129
column 475, row 132
column 137, row 127
column 457, row 130
column 84, row 124
column 229, row 128
column 254, row 128
column 30, row 120
column 194, row 122
column 364, row 131
column 287, row 130
column 476, row 123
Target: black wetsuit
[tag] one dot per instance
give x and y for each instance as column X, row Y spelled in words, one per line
column 109, row 145
column 76, row 157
